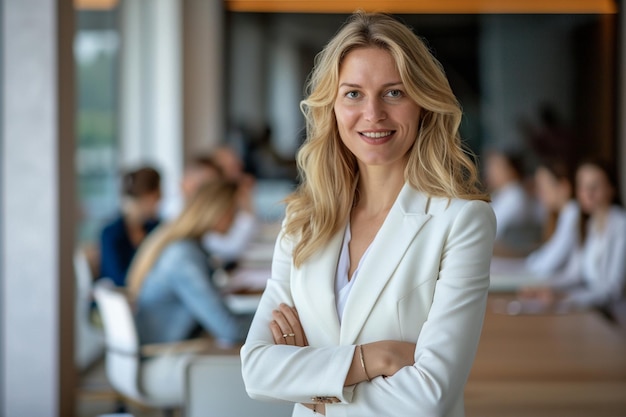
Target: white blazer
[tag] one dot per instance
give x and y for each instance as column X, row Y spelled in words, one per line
column 425, row 280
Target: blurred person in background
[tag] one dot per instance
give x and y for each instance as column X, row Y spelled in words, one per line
column 231, row 245
column 171, row 279
column 518, row 226
column 198, row 171
column 554, row 187
column 595, row 273
column 119, row 239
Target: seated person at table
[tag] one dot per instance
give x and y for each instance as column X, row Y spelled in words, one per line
column 230, row 246
column 171, row 280
column 222, row 163
column 119, row 239
column 518, row 229
column 595, row 273
column 198, row 171
column 555, row 191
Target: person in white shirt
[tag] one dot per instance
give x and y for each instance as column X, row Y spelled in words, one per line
column 229, row 247
column 518, row 228
column 555, row 190
column 595, row 274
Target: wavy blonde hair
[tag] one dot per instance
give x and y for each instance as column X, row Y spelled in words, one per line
column 206, row 208
column 437, row 163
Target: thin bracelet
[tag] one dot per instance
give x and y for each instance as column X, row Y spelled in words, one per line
column 363, row 363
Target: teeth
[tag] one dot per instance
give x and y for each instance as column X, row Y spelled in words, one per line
column 377, row 135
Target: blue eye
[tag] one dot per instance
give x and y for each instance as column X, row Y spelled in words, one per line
column 394, row 93
column 352, row 94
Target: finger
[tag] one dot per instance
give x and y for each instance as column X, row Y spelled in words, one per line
column 294, row 323
column 284, row 326
column 277, row 334
column 306, row 341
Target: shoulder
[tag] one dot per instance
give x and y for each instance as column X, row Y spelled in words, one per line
column 453, row 207
column 114, row 228
column 183, row 249
column 571, row 209
column 618, row 217
column 445, row 209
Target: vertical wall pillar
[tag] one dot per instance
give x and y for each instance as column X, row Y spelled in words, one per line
column 151, row 108
column 37, row 376
column 621, row 99
column 204, row 106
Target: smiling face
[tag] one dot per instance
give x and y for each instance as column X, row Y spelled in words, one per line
column 377, row 120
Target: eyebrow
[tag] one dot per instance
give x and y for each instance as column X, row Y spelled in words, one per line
column 351, row 85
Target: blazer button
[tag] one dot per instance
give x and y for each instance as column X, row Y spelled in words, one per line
column 324, row 400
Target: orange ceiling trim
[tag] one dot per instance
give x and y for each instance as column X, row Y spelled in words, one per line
column 427, row 6
column 95, row 4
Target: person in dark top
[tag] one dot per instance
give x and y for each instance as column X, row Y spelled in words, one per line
column 141, row 193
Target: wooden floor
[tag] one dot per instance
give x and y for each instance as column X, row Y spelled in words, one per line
column 95, row 397
column 548, row 365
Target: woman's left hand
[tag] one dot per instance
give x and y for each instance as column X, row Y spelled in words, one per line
column 286, row 327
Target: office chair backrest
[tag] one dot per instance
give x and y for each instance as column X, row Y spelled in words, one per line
column 122, row 342
column 88, row 339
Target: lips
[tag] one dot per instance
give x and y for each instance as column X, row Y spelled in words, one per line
column 377, row 137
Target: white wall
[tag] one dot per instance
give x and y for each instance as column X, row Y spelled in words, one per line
column 37, row 373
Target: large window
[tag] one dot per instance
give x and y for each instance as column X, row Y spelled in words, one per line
column 96, row 50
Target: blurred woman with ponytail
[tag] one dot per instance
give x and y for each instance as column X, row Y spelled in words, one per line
column 171, row 278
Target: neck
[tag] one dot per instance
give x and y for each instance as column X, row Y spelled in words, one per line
column 599, row 217
column 132, row 215
column 378, row 188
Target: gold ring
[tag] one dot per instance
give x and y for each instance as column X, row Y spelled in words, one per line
column 286, row 335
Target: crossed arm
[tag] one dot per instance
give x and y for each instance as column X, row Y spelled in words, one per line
column 383, row 358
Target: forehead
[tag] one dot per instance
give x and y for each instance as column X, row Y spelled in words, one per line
column 369, row 64
column 590, row 173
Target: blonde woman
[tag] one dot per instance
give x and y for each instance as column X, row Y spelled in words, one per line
column 380, row 274
column 171, row 279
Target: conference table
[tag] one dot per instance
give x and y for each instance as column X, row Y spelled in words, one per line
column 552, row 365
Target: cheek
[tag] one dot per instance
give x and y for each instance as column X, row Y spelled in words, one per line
column 345, row 115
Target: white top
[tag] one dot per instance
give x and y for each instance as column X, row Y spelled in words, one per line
column 552, row 255
column 598, row 269
column 342, row 284
column 226, row 247
column 232, row 245
column 512, row 207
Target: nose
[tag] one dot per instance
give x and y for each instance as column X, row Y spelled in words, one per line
column 374, row 110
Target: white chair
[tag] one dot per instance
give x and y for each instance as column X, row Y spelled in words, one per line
column 155, row 381
column 88, row 339
column 215, row 388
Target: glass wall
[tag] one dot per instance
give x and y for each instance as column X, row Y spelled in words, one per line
column 96, row 50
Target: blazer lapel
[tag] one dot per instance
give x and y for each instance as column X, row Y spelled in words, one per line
column 404, row 221
column 314, row 293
